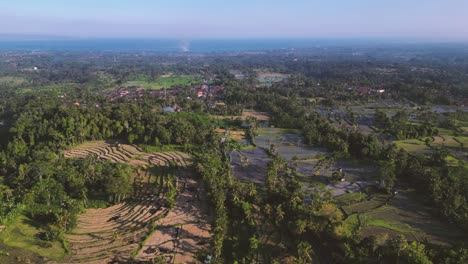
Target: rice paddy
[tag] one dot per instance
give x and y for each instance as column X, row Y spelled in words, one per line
column 143, row 228
column 164, row 81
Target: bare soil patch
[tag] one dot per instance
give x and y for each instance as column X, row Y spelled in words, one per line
column 183, row 232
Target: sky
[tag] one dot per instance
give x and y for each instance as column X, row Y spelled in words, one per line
column 444, row 20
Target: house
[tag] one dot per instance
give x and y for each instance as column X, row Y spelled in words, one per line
column 363, row 90
column 168, row 109
column 77, row 103
column 200, row 93
column 239, row 76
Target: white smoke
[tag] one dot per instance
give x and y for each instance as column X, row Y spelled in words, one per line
column 184, row 46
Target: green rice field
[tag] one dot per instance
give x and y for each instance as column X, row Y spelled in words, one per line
column 168, row 82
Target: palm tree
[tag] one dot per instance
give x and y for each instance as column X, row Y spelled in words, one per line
column 244, row 160
column 304, row 252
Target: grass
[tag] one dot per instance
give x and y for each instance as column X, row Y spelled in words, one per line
column 152, row 149
column 22, row 234
column 247, row 147
column 405, row 215
column 463, row 139
column 412, row 145
column 365, row 206
column 352, row 221
column 95, row 204
column 452, row 161
column 11, row 255
column 450, row 141
column 269, row 131
column 398, row 227
column 350, row 198
column 13, row 81
column 429, row 139
column 57, row 88
column 387, row 217
column 311, row 160
column 181, row 80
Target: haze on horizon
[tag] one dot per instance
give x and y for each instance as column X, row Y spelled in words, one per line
column 433, row 20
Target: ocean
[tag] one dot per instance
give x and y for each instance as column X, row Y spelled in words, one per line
column 162, row 45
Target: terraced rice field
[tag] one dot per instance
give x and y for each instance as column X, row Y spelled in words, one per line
column 112, row 234
column 288, row 143
column 129, row 154
column 254, row 168
column 143, row 228
column 366, row 206
column 401, row 214
column 413, row 146
column 260, row 116
column 182, row 232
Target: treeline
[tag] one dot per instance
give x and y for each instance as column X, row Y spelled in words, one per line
column 216, row 173
column 38, row 180
column 380, row 249
column 70, row 125
column 252, row 223
column 399, row 127
column 54, row 190
column 445, row 184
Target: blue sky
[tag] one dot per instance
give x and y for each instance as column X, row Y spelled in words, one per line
column 407, row 19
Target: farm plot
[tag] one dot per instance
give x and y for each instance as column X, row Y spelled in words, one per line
column 345, row 187
column 401, row 214
column 307, row 166
column 455, row 143
column 250, row 164
column 130, row 154
column 260, row 116
column 182, row 233
column 238, row 136
column 366, row 206
column 126, row 231
column 112, row 234
column 271, row 77
column 414, row 146
column 356, row 170
column 167, row 81
column 13, row 81
column 450, row 141
column 356, row 175
column 289, row 144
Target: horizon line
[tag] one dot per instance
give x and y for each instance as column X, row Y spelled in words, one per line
column 47, row 37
